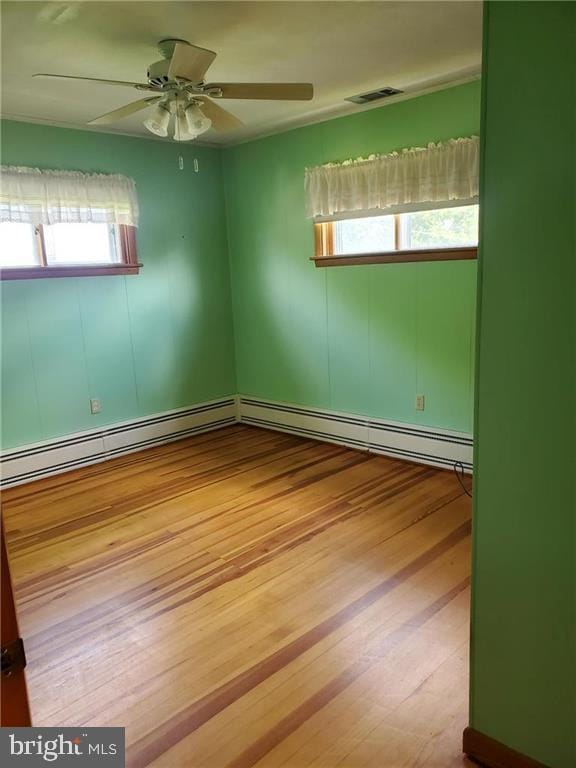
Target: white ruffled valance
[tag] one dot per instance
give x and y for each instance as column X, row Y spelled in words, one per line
column 438, row 173
column 33, row 196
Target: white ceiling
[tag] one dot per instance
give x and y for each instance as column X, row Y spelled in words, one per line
column 343, row 48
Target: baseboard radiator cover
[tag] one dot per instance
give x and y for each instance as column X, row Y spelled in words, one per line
column 425, row 445
column 493, row 754
column 51, row 457
column 440, row 448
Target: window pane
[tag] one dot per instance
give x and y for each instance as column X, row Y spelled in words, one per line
column 366, row 235
column 444, row 228
column 80, row 244
column 17, row 245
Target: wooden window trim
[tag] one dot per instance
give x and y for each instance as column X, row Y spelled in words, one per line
column 396, row 257
column 397, row 233
column 128, row 266
column 324, row 255
column 41, row 244
column 323, row 239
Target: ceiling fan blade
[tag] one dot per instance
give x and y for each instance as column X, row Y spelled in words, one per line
column 128, row 109
column 272, row 91
column 190, row 62
column 222, row 120
column 140, row 86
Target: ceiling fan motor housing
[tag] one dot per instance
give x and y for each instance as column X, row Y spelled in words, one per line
column 158, row 72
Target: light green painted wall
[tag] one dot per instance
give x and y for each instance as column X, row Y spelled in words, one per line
column 142, row 344
column 364, row 339
column 524, row 626
column 360, row 339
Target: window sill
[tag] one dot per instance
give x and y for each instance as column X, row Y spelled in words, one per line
column 96, row 270
column 396, row 257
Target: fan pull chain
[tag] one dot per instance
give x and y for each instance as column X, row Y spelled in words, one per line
column 181, row 164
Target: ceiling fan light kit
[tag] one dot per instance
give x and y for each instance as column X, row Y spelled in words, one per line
column 177, row 81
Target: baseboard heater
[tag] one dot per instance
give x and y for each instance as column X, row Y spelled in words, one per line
column 52, row 457
column 425, row 445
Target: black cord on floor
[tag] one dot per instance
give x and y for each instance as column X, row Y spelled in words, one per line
column 459, row 472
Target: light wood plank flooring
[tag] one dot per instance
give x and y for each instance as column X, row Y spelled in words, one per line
column 249, row 598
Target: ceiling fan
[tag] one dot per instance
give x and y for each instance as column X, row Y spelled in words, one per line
column 178, row 88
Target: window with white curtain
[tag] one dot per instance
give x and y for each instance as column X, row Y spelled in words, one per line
column 66, row 223
column 417, row 204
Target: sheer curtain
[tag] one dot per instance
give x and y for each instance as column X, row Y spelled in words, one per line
column 438, row 173
column 33, row 196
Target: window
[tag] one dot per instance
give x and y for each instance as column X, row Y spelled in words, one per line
column 65, row 250
column 413, row 204
column 424, row 235
column 66, row 223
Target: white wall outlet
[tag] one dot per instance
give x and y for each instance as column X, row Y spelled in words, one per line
column 95, row 405
column 419, row 402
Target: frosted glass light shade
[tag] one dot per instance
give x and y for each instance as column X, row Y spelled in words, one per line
column 158, row 121
column 196, row 120
column 181, row 132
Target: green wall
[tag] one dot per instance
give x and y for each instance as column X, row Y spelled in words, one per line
column 360, row 339
column 364, row 339
column 523, row 627
column 142, row 344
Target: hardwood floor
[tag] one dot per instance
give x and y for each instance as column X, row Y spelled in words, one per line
column 248, row 598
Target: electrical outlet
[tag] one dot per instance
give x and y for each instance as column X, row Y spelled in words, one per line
column 419, row 402
column 95, row 405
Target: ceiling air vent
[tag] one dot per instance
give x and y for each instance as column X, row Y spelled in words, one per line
column 366, row 98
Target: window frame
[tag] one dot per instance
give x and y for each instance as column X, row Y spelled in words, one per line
column 128, row 264
column 324, row 255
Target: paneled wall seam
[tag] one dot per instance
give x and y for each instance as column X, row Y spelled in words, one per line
column 132, row 352
column 89, row 381
column 33, row 364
